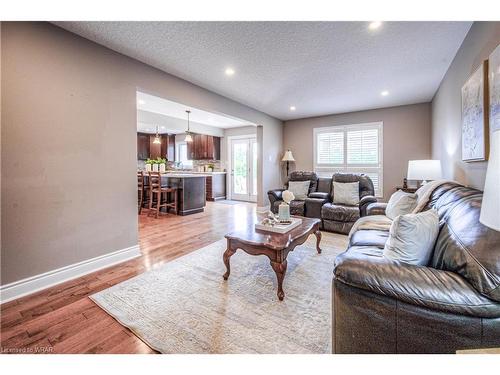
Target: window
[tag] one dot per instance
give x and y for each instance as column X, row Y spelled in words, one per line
column 350, row 148
column 181, row 155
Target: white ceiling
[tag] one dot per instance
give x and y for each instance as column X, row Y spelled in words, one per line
column 318, row 67
column 155, row 104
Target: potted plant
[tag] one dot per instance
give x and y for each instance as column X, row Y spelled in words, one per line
column 149, row 164
column 162, row 162
column 211, row 167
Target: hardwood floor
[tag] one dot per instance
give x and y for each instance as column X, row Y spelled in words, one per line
column 62, row 319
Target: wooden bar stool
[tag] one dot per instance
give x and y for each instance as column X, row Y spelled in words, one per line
column 156, row 190
column 140, row 190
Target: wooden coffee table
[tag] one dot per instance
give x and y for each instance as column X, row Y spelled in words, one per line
column 275, row 246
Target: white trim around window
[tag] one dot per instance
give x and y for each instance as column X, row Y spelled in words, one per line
column 350, row 149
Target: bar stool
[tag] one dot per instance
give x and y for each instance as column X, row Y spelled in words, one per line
column 155, row 189
column 140, row 190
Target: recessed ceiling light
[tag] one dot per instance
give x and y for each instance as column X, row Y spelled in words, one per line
column 141, row 102
column 374, row 25
column 229, row 71
column 384, row 93
column 292, row 108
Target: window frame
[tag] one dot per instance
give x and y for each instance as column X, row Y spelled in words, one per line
column 322, row 168
column 178, row 154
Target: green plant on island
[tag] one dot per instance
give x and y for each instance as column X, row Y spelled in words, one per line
column 158, row 160
column 211, row 165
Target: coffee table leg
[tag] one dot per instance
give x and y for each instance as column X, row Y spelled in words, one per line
column 280, row 270
column 318, row 239
column 227, row 254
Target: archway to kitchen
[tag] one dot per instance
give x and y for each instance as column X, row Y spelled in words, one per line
column 212, row 161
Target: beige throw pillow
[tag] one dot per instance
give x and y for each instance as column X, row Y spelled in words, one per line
column 346, row 193
column 300, row 189
column 412, row 238
column 400, row 203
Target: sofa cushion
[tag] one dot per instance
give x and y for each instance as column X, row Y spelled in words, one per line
column 299, row 189
column 345, row 193
column 400, row 203
column 365, row 183
column 312, row 177
column 365, row 237
column 297, row 208
column 339, row 212
column 412, row 238
column 466, row 246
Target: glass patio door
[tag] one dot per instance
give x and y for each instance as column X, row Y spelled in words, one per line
column 244, row 169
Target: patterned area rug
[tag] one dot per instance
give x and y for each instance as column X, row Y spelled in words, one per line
column 185, row 306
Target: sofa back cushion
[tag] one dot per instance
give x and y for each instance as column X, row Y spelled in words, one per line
column 365, row 182
column 464, row 245
column 305, row 176
column 412, row 238
column 400, row 203
column 299, row 189
column 346, row 193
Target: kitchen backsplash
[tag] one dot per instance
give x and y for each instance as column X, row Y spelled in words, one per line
column 219, row 166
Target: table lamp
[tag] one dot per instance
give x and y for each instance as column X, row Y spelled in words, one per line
column 490, row 208
column 288, row 157
column 424, row 170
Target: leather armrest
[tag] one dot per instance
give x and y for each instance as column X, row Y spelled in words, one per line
column 319, row 195
column 314, row 205
column 366, row 268
column 376, row 209
column 364, row 202
column 276, row 194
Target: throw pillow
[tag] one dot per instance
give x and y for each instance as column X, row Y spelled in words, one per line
column 300, row 189
column 412, row 238
column 346, row 193
column 400, row 203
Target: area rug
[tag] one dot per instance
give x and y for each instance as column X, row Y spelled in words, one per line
column 185, row 306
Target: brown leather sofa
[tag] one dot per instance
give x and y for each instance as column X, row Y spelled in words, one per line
column 385, row 306
column 318, row 204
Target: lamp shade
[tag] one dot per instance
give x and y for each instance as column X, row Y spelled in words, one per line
column 490, row 208
column 288, row 156
column 424, row 170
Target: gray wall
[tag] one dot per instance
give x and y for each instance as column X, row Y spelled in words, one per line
column 407, row 132
column 69, row 146
column 481, row 40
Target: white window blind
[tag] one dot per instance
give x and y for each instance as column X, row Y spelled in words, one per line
column 350, row 149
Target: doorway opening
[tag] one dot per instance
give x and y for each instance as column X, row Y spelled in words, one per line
column 242, row 167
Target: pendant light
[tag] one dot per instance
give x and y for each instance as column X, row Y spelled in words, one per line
column 188, row 138
column 157, row 139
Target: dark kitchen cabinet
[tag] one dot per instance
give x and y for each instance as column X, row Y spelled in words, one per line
column 142, row 146
column 157, row 150
column 146, row 148
column 171, row 147
column 204, row 147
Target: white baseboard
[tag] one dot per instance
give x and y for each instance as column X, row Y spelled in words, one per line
column 21, row 288
column 263, row 209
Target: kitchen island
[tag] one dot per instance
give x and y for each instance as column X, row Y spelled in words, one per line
column 190, row 190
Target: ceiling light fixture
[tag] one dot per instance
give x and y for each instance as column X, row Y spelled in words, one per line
column 374, row 25
column 384, row 93
column 292, row 108
column 229, row 71
column 157, row 139
column 188, row 138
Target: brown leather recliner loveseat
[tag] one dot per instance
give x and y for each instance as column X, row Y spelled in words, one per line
column 318, row 204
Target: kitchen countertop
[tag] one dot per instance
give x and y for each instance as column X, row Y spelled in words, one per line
column 196, row 173
column 183, row 175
